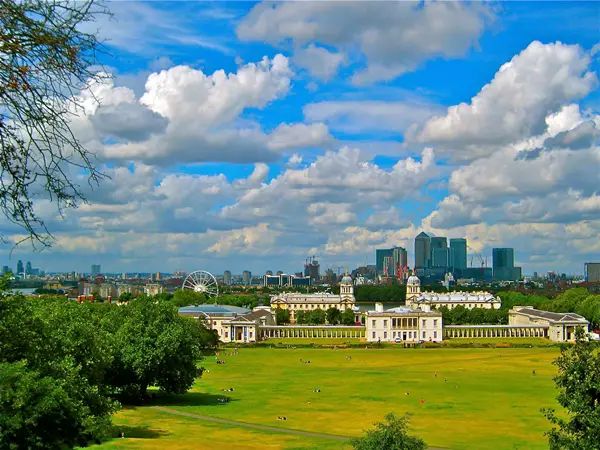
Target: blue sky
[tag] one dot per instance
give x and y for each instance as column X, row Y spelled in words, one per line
column 249, row 136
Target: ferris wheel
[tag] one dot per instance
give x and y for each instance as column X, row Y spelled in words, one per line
column 202, row 281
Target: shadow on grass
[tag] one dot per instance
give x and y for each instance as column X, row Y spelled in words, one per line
column 191, row 399
column 129, row 432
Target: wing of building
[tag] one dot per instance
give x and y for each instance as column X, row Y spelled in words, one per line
column 403, row 324
column 561, row 326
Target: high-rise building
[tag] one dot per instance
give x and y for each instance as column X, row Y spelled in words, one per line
column 28, row 268
column 20, row 268
column 458, row 252
column 158, row 275
column 422, row 251
column 312, row 269
column 246, row 277
column 440, row 257
column 95, row 270
column 592, row 272
column 380, row 255
column 503, row 264
column 227, row 278
column 5, row 270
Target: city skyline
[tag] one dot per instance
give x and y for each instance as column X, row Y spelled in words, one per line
column 233, row 143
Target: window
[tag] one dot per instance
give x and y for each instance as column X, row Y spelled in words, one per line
column 424, row 322
column 214, row 323
column 394, row 334
column 385, row 323
column 410, row 334
column 373, row 335
column 424, row 335
column 435, row 334
column 251, row 335
column 374, row 321
column 385, row 334
column 226, row 334
column 435, row 322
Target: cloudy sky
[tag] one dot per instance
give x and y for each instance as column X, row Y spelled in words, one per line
column 251, row 135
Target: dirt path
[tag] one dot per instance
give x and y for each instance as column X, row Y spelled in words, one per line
column 235, row 423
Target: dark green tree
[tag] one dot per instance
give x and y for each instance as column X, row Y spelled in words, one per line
column 578, row 382
column 389, row 435
column 187, row 297
column 282, row 316
column 334, row 316
column 317, row 316
column 348, row 317
column 302, row 317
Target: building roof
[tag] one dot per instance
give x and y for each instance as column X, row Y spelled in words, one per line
column 294, row 297
column 213, row 310
column 251, row 316
column 403, row 310
column 552, row 316
column 457, row 297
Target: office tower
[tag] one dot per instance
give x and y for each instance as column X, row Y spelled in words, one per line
column 400, row 261
column 20, row 268
column 312, row 269
column 380, row 258
column 440, row 257
column 227, row 278
column 503, row 263
column 458, row 253
column 592, row 272
column 5, row 270
column 422, row 251
column 158, row 276
column 95, row 270
column 28, row 268
column 246, row 276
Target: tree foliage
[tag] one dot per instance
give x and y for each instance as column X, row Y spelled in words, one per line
column 578, row 382
column 45, row 60
column 282, row 316
column 348, row 317
column 390, row 435
column 334, row 316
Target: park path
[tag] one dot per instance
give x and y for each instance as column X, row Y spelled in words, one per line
column 235, row 423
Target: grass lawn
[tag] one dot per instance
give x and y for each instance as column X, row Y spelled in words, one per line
column 317, row 341
column 498, row 340
column 495, row 406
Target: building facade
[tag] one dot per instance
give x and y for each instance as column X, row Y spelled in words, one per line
column 294, row 301
column 561, row 326
column 403, row 325
column 433, row 300
column 458, row 251
column 592, row 272
column 422, row 251
column 503, row 263
column 227, row 278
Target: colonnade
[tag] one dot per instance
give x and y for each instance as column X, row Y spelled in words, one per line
column 491, row 331
column 274, row 331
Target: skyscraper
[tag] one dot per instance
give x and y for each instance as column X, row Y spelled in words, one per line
column 380, row 255
column 592, row 272
column 400, row 261
column 458, row 252
column 28, row 268
column 246, row 277
column 20, row 267
column 503, row 263
column 422, row 251
column 227, row 277
column 95, row 270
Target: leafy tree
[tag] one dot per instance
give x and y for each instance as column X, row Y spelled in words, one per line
column 317, row 316
column 155, row 346
column 187, row 297
column 302, row 317
column 334, row 316
column 578, row 382
column 390, row 435
column 282, row 316
column 126, row 297
column 46, row 57
column 348, row 317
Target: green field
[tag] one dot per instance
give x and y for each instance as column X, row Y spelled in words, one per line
column 491, row 399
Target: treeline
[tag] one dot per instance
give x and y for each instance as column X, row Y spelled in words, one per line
column 66, row 367
column 186, row 297
column 576, row 300
column 332, row 316
column 383, row 294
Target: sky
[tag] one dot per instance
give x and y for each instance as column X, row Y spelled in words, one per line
column 249, row 136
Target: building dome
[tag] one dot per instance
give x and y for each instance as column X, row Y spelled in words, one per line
column 413, row 279
column 347, row 279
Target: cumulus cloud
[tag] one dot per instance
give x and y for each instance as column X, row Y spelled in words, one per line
column 514, row 105
column 320, row 62
column 395, row 37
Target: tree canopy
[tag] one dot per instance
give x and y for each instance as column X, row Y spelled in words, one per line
column 390, row 435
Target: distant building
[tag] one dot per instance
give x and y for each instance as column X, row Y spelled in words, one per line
column 458, row 252
column 380, row 259
column 246, row 277
column 227, row 278
column 158, row 276
column 295, row 302
column 433, row 300
column 20, row 268
column 5, row 270
column 312, row 269
column 279, row 272
column 269, row 272
column 95, row 270
column 271, row 280
column 403, row 324
column 561, row 326
column 28, row 269
column 153, row 289
column 503, row 263
column 422, row 251
column 592, row 272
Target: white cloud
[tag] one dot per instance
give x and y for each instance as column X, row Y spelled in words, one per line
column 514, row 105
column 299, row 135
column 320, row 62
column 394, row 37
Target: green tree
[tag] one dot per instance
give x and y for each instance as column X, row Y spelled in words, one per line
column 389, row 435
column 317, row 316
column 302, row 317
column 187, row 297
column 334, row 316
column 578, row 382
column 155, row 347
column 282, row 316
column 126, row 297
column 348, row 317
column 46, row 57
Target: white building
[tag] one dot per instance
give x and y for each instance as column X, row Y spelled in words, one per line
column 434, row 300
column 294, row 301
column 561, row 326
column 403, row 324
